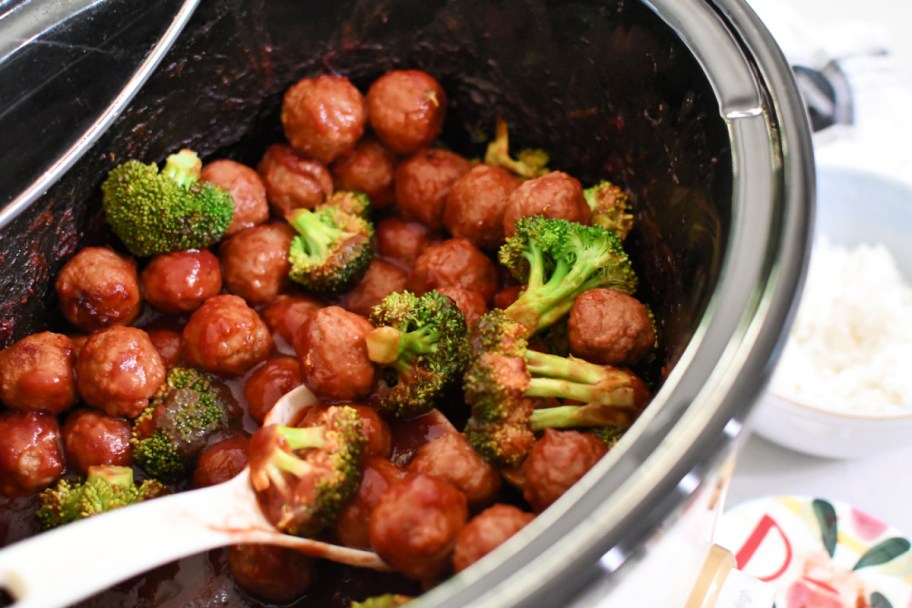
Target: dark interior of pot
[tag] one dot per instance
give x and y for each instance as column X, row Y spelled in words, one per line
column 605, row 87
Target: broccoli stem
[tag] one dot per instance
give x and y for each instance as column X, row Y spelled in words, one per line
column 546, row 365
column 115, row 476
column 301, row 438
column 183, row 167
column 573, row 416
column 318, row 236
column 542, row 305
column 390, row 346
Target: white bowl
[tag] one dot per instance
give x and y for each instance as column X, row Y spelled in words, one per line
column 853, row 207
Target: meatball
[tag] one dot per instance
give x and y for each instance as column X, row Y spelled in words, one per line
column 422, row 182
column 454, row 262
column 450, row 457
column 247, row 192
column 323, row 117
column 476, row 203
column 168, row 344
column 414, row 526
column 401, row 241
column 91, row 438
column 269, row 382
column 30, row 454
column 557, row 461
column 554, row 195
column 333, row 355
column 352, row 527
column 97, row 288
column 179, row 282
column 287, row 313
column 469, row 302
column 36, row 373
column 507, row 295
column 487, row 531
column 610, row 327
column 379, row 436
column 226, row 337
column 380, row 280
column 406, row 109
column 255, row 262
column 369, row 169
column 277, row 574
column 221, row 461
column 293, row 181
column 118, row 370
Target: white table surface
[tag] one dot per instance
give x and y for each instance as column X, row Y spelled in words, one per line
column 880, row 485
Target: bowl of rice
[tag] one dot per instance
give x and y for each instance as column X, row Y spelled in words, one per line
column 843, row 385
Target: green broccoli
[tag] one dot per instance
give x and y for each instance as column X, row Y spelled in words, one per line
column 105, row 488
column 332, row 249
column 422, row 342
column 510, row 389
column 190, row 408
column 558, row 260
column 356, row 203
column 610, row 208
column 155, row 212
column 302, row 476
column 528, row 164
column 389, row 600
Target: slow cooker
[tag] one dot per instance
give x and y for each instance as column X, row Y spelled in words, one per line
column 688, row 104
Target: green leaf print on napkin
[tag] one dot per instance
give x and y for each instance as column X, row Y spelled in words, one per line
column 879, row 601
column 826, row 518
column 883, row 552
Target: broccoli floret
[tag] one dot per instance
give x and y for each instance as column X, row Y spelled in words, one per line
column 422, row 344
column 610, row 208
column 155, row 212
column 332, row 249
column 189, row 408
column 105, row 488
column 356, row 203
column 529, row 162
column 558, row 260
column 302, row 476
column 389, row 600
column 509, row 392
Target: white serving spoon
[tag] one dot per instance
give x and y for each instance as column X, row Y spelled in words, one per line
column 77, row 560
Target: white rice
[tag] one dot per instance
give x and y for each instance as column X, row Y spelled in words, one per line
column 850, row 348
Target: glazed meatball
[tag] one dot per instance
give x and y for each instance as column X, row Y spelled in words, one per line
column 221, row 461
column 30, row 454
column 379, row 437
column 557, row 461
column 287, row 313
column 415, row 524
column 507, row 295
column 36, row 373
column 293, row 181
column 406, row 109
column 277, row 574
column 401, row 241
column 422, row 182
column 454, row 262
column 333, row 355
column 97, row 288
column 352, row 527
column 380, row 280
column 476, row 203
column 369, row 169
column 226, row 337
column 323, row 117
column 554, row 195
column 487, row 531
column 255, row 262
column 179, row 282
column 269, row 382
column 92, row 438
column 246, row 189
column 610, row 327
column 469, row 302
column 118, row 370
column 168, row 344
column 450, row 457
